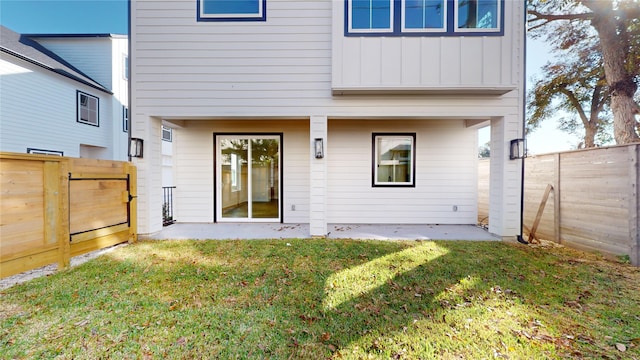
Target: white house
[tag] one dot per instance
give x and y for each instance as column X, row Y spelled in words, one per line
column 64, row 94
column 328, row 111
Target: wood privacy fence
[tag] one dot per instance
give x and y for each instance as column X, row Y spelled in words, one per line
column 53, row 208
column 593, row 203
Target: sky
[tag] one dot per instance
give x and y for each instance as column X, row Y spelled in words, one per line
column 111, row 16
column 65, row 16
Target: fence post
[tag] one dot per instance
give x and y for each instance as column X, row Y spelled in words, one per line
column 556, row 200
column 56, row 214
column 132, row 171
column 634, row 202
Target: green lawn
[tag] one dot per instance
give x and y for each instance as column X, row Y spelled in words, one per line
column 315, row 299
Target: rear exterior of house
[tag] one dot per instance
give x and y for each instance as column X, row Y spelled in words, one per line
column 318, row 112
column 64, row 94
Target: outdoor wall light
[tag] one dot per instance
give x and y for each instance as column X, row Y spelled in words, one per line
column 136, row 147
column 319, row 148
column 517, row 149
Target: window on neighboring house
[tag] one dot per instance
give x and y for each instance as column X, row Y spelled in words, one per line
column 394, row 159
column 423, row 17
column 44, row 152
column 125, row 67
column 236, row 173
column 88, row 109
column 167, row 133
column 236, row 10
column 125, row 119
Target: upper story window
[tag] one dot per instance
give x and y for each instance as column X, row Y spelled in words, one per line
column 167, row 134
column 88, row 109
column 232, row 10
column 125, row 67
column 423, row 17
column 125, row 119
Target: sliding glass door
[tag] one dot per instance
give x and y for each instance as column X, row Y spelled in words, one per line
column 248, row 177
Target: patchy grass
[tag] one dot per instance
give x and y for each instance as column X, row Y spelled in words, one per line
column 328, row 299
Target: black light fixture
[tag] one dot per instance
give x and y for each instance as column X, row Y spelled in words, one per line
column 136, row 147
column 517, row 149
column 319, row 148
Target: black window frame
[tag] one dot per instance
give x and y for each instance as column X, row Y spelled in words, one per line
column 374, row 159
column 79, row 119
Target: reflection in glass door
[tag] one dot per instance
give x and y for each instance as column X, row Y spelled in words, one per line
column 248, row 185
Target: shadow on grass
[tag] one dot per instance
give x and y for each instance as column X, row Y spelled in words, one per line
column 297, row 299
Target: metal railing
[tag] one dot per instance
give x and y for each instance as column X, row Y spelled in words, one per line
column 167, row 205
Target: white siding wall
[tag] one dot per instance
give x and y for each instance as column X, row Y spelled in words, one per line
column 38, row 110
column 460, row 62
column 193, row 161
column 446, row 174
column 120, row 89
column 196, row 72
column 92, row 56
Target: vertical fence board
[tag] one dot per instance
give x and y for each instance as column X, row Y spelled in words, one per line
column 633, row 206
column 35, row 209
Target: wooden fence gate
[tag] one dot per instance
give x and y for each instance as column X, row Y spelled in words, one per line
column 53, row 208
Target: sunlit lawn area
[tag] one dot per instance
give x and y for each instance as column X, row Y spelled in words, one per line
column 314, row 299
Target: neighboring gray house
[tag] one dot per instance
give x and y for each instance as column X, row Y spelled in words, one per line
column 328, row 111
column 64, row 94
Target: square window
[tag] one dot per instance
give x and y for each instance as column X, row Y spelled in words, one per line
column 424, row 15
column 477, row 14
column 394, row 159
column 232, row 10
column 88, row 109
column 167, row 134
column 370, row 15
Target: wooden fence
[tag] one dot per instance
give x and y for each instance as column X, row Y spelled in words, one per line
column 53, row 208
column 593, row 203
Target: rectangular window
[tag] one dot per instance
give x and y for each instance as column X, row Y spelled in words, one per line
column 394, row 159
column 477, row 14
column 125, row 67
column 371, row 15
column 88, row 109
column 125, row 119
column 423, row 17
column 44, row 152
column 232, row 10
column 167, row 134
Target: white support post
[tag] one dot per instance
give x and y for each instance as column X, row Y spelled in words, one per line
column 318, row 177
column 505, row 179
column 149, row 168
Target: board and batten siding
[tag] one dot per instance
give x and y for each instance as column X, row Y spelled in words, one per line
column 445, row 176
column 283, row 67
column 428, row 62
column 39, row 111
column 193, row 161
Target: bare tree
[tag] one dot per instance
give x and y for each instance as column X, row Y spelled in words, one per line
column 616, row 24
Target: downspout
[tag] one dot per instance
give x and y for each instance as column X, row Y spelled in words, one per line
column 520, row 237
column 129, row 109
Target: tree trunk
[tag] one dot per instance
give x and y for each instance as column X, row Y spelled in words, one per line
column 590, row 131
column 621, row 84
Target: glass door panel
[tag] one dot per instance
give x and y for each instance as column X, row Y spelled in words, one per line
column 249, row 180
column 264, row 178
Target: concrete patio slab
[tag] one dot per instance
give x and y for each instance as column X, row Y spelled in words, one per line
column 224, row 231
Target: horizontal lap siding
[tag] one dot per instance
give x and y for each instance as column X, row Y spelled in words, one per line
column 283, row 67
column 445, row 174
column 193, row 196
column 39, row 111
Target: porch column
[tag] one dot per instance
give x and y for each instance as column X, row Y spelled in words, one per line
column 318, row 178
column 149, row 173
column 505, row 179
